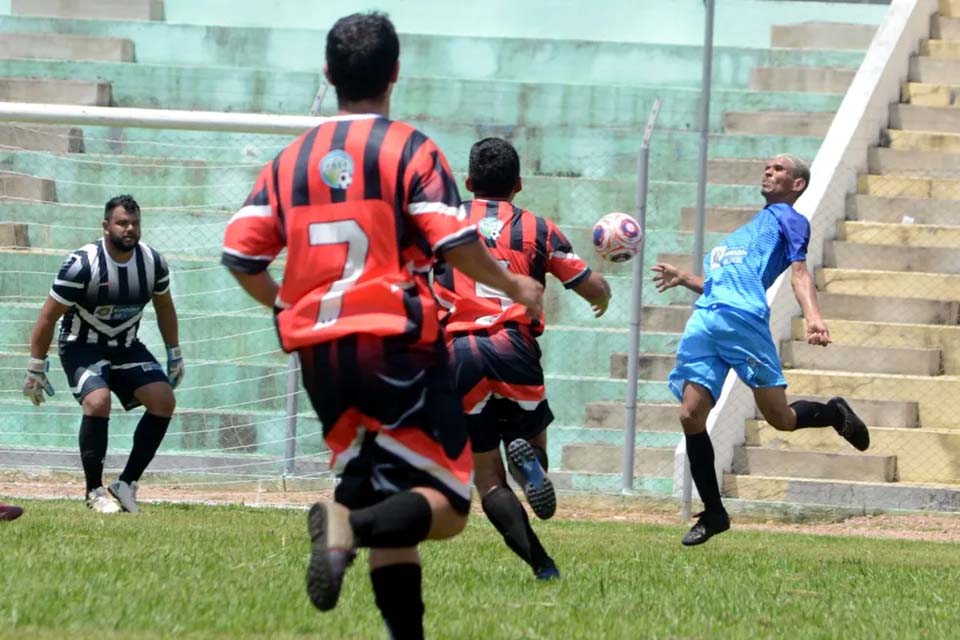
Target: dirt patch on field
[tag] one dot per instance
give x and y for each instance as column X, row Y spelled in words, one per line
column 759, row 516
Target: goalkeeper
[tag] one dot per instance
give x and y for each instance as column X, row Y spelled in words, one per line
column 100, row 292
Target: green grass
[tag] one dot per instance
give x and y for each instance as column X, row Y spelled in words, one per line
column 232, row 572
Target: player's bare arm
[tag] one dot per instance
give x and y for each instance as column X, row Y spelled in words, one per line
column 260, row 286
column 666, row 276
column 476, row 261
column 169, row 331
column 595, row 290
column 805, row 290
column 36, row 383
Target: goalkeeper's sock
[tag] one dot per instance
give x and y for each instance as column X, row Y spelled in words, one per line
column 146, row 441
column 93, row 449
column 507, row 515
column 397, row 589
column 816, row 414
column 402, row 520
column 700, row 453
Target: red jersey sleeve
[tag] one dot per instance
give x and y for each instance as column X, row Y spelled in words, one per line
column 254, row 234
column 562, row 262
column 433, row 202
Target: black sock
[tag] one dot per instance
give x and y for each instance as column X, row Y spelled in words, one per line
column 146, row 441
column 508, row 516
column 541, row 456
column 402, row 520
column 93, row 449
column 816, row 414
column 700, row 453
column 397, row 589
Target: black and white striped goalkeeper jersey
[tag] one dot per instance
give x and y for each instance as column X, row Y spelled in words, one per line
column 106, row 297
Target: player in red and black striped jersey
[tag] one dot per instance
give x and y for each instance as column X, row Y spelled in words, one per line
column 362, row 205
column 494, row 351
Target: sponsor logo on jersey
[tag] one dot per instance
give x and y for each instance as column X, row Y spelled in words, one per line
column 722, row 256
column 490, row 228
column 116, row 311
column 336, row 169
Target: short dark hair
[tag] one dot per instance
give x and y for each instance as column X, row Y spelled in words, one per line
column 362, row 52
column 494, row 167
column 126, row 201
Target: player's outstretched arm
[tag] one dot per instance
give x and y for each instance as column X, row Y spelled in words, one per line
column 595, row 290
column 36, row 384
column 475, row 261
column 666, row 276
column 805, row 290
column 260, row 286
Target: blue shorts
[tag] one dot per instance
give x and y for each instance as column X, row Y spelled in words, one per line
column 718, row 339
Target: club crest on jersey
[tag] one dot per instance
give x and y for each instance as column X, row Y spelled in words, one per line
column 336, row 169
column 490, row 228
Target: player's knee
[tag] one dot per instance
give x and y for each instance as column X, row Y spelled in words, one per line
column 692, row 419
column 447, row 523
column 161, row 404
column 97, row 403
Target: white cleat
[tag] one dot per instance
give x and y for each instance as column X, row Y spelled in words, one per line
column 99, row 501
column 126, row 495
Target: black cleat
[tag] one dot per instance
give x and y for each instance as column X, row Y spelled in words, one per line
column 548, row 573
column 710, row 523
column 526, row 470
column 332, row 549
column 853, row 430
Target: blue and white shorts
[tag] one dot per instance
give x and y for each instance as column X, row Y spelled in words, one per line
column 718, row 339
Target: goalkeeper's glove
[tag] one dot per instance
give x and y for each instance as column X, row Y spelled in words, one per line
column 174, row 366
column 36, row 382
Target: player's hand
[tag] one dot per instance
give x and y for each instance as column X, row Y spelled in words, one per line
column 175, row 366
column 528, row 292
column 666, row 276
column 36, row 382
column 817, row 332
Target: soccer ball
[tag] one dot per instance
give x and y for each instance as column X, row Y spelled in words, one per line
column 617, row 237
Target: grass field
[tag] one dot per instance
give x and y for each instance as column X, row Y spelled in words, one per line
column 234, row 572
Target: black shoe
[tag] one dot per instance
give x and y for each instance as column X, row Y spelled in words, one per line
column 853, row 430
column 710, row 523
column 548, row 573
column 332, row 549
column 526, row 470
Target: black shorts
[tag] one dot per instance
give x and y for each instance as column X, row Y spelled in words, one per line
column 499, row 377
column 123, row 370
column 391, row 418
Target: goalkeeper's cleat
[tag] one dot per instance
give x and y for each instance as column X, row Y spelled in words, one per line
column 710, row 523
column 126, row 495
column 332, row 550
column 99, row 501
column 10, row 512
column 526, row 470
column 853, row 429
column 548, row 572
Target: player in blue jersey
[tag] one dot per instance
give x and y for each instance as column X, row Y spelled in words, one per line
column 729, row 329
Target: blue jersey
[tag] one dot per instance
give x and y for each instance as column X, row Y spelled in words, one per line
column 738, row 271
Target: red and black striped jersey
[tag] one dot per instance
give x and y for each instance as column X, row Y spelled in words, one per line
column 522, row 242
column 361, row 204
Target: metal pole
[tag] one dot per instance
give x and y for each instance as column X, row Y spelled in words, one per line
column 705, row 87
column 290, row 444
column 636, row 304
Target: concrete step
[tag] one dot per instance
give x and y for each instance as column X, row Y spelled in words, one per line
column 665, row 318
column 822, row 35
column 928, row 94
column 40, row 137
column 894, row 210
column 798, row 354
column 882, row 257
column 914, row 163
column 651, row 366
column 944, row 28
column 918, row 117
column 909, row 140
column 780, row 123
column 585, row 350
column 880, row 308
column 940, row 49
column 863, row 333
column 760, row 461
column 650, row 416
column 90, row 9
column 735, row 171
column 717, row 219
column 801, row 79
column 858, row 495
column 13, row 235
column 937, row 397
column 949, row 8
column 77, row 92
column 19, row 185
column 881, row 413
column 57, row 46
column 894, row 284
column 901, row 235
column 603, row 458
column 893, row 186
column 923, row 455
column 933, row 70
